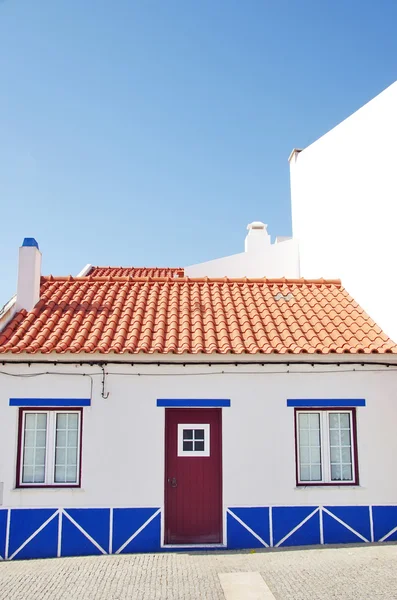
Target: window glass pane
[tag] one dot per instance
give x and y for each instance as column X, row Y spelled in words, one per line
column 61, row 438
column 42, row 421
column 336, row 472
column 304, row 454
column 27, row 475
column 199, row 434
column 315, row 473
column 345, row 421
column 340, row 447
column 309, row 446
column 346, row 454
column 34, row 447
column 334, row 421
column 315, row 437
column 347, row 474
column 66, row 447
column 28, row 456
column 62, row 420
column 30, row 420
column 188, row 434
column 71, row 475
column 315, row 455
column 305, row 473
column 199, row 445
column 187, row 446
column 314, row 421
column 334, row 437
column 39, row 473
column 73, row 421
column 345, row 437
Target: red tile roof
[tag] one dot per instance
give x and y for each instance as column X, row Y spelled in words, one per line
column 136, row 272
column 163, row 315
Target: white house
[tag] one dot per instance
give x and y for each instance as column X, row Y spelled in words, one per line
column 144, row 410
column 344, row 206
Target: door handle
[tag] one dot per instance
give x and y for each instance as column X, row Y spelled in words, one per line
column 173, row 482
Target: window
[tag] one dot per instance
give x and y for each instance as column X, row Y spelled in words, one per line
column 193, row 440
column 326, row 447
column 49, row 448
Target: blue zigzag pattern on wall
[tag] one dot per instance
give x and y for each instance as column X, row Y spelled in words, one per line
column 50, row 532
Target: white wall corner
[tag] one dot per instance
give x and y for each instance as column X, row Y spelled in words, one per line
column 7, row 313
column 29, row 273
column 84, row 272
column 293, row 157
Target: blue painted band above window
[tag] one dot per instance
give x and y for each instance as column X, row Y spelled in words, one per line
column 39, row 402
column 334, row 403
column 189, row 403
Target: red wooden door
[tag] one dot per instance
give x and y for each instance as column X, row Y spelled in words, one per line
column 193, row 476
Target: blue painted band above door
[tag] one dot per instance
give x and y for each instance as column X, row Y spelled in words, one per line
column 192, row 403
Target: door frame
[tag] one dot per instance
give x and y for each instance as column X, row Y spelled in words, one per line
column 213, row 405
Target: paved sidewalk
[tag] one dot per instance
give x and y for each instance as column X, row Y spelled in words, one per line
column 361, row 573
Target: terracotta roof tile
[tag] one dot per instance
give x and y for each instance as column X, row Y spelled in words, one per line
column 132, row 313
column 136, row 272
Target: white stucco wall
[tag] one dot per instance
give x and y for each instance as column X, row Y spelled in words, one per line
column 276, row 260
column 123, row 435
column 344, row 206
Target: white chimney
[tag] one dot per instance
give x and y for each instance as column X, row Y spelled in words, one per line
column 257, row 239
column 29, row 273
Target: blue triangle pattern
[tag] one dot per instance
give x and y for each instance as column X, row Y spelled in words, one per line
column 126, row 521
column 385, row 519
column 3, row 531
column 43, row 545
column 257, row 519
column 75, row 543
column 24, row 522
column 307, row 535
column 286, row 518
column 355, row 516
column 95, row 521
column 148, row 540
column 335, row 533
column 238, row 537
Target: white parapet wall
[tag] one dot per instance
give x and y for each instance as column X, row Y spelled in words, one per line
column 261, row 258
column 344, row 206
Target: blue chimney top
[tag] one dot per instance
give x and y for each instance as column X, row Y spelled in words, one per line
column 30, row 242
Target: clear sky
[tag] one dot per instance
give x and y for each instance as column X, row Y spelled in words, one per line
column 142, row 132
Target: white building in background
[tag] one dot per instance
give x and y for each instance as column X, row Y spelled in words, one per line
column 344, row 206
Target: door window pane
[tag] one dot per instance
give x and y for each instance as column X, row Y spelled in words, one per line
column 193, row 440
column 66, row 447
column 34, row 448
column 309, row 446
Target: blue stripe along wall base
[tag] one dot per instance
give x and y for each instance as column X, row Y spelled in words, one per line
column 50, row 532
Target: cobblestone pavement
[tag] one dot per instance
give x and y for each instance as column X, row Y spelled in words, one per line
column 359, row 573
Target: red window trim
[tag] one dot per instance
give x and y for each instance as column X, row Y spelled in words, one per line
column 356, row 478
column 22, row 410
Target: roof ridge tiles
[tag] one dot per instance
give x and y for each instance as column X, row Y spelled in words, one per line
column 185, row 279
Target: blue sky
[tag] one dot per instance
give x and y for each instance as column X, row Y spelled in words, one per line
column 142, row 132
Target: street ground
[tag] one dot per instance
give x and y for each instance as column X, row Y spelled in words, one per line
column 325, row 573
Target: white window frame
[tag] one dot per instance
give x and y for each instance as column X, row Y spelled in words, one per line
column 49, row 473
column 325, row 451
column 194, row 453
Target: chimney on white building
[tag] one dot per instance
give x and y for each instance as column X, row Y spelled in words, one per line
column 29, row 273
column 257, row 239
